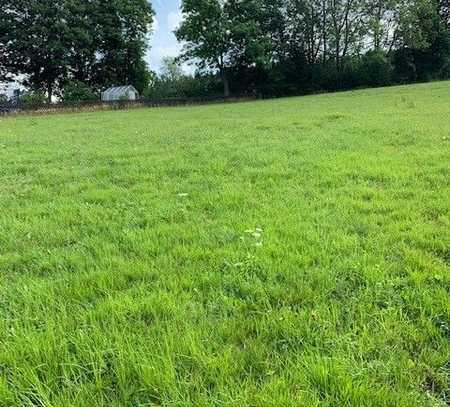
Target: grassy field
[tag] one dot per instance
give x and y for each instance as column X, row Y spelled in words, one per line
column 293, row 252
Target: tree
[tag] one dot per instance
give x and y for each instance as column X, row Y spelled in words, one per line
column 375, row 69
column 423, row 40
column 346, row 27
column 121, row 42
column 76, row 91
column 306, row 28
column 381, row 23
column 171, row 69
column 206, row 29
column 98, row 42
column 220, row 35
column 33, row 37
column 444, row 12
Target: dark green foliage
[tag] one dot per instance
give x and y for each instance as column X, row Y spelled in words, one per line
column 184, row 87
column 98, row 42
column 375, row 69
column 174, row 83
column 269, row 47
column 35, row 98
column 445, row 70
column 76, row 91
column 34, row 38
column 122, row 42
column 221, row 35
column 283, row 47
column 405, row 69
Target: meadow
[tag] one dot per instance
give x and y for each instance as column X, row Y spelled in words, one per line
column 291, row 252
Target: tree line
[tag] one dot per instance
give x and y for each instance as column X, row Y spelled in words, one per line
column 76, row 48
column 292, row 46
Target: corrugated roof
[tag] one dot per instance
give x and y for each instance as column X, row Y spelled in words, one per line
column 116, row 91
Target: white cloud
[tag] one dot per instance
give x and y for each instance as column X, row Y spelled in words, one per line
column 157, row 54
column 168, row 50
column 155, row 25
column 174, row 19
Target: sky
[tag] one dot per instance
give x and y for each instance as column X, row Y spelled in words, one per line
column 163, row 42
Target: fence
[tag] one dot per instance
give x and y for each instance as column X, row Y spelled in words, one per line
column 17, row 107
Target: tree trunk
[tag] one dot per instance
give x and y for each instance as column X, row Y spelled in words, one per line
column 337, row 54
column 226, row 84
column 49, row 92
column 324, row 32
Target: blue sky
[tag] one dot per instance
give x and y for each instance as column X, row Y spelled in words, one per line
column 163, row 42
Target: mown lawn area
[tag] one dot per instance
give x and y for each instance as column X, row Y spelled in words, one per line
column 291, row 252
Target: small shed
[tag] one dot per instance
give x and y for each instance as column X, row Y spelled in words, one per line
column 114, row 93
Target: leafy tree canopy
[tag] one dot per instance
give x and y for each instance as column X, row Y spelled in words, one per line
column 99, row 42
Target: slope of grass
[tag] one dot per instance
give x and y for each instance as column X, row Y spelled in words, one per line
column 275, row 253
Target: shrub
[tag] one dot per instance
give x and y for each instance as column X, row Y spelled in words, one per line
column 78, row 92
column 183, row 86
column 375, row 69
column 405, row 70
column 33, row 98
column 445, row 70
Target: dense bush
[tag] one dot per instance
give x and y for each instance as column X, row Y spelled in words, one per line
column 445, row 70
column 33, row 98
column 375, row 69
column 78, row 92
column 184, row 86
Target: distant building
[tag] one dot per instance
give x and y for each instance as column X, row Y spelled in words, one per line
column 120, row 93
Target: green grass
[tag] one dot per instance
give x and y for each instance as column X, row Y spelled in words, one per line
column 293, row 252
